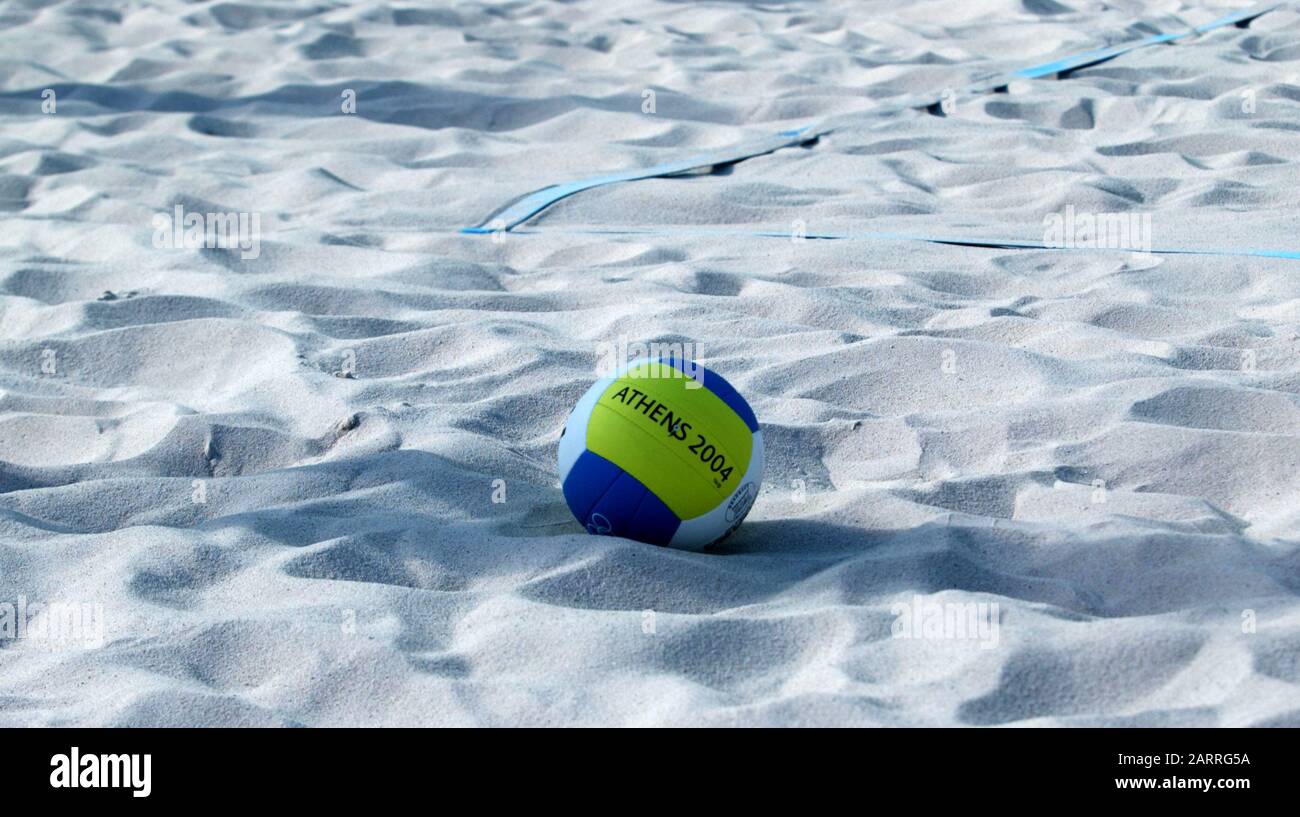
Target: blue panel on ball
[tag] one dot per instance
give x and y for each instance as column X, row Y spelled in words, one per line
column 588, row 480
column 609, row 501
column 653, row 522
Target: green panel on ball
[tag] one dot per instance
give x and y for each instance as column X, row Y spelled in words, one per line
column 675, row 436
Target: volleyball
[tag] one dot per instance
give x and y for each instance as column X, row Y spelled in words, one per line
column 663, row 451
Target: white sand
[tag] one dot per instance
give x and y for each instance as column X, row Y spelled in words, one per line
column 1104, row 446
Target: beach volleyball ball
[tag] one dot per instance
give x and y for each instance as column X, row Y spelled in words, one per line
column 664, row 452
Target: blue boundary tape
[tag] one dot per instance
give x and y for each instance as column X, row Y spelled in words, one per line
column 522, row 209
column 959, row 241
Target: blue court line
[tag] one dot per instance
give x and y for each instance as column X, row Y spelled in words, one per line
column 522, row 209
column 959, row 241
column 1088, row 58
column 532, row 204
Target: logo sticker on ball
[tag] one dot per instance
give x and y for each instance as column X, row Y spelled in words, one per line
column 599, row 525
column 741, row 503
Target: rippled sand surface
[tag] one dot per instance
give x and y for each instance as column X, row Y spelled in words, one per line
column 317, row 486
